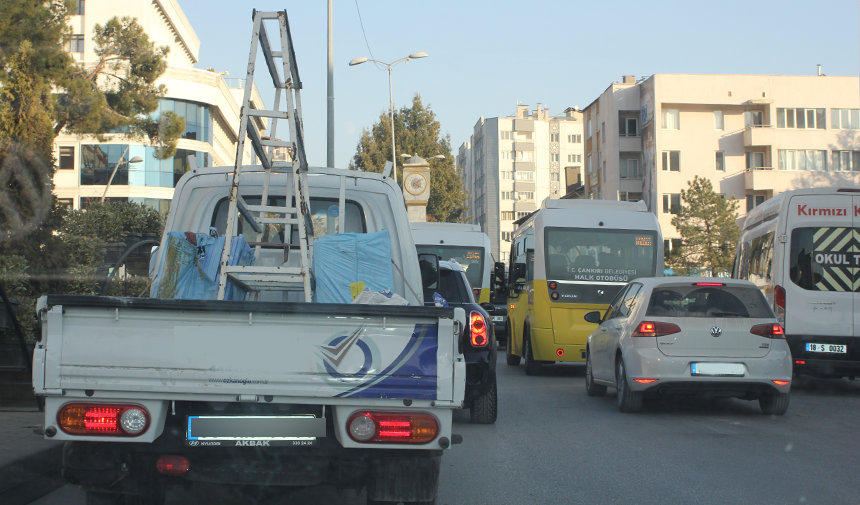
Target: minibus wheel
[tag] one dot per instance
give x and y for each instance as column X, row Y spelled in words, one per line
column 512, row 359
column 533, row 367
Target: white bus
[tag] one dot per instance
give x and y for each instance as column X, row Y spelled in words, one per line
column 464, row 243
column 802, row 249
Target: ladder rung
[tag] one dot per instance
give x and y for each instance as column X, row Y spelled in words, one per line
column 277, row 54
column 278, row 114
column 278, row 220
column 268, row 15
column 256, row 143
column 263, row 270
column 269, row 208
column 248, row 216
column 282, row 164
column 277, row 143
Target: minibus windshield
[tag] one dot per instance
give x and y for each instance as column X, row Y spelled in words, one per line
column 600, row 256
column 470, row 258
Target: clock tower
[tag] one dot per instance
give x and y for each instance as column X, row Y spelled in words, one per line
column 416, row 188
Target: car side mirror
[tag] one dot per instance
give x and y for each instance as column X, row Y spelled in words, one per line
column 489, row 307
column 153, row 259
column 593, row 317
column 429, row 265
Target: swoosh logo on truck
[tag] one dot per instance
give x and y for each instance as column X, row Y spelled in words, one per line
column 334, row 354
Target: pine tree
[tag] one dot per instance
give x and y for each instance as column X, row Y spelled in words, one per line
column 416, row 131
column 709, row 232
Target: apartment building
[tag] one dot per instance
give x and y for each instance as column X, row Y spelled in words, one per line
column 510, row 164
column 753, row 136
column 208, row 102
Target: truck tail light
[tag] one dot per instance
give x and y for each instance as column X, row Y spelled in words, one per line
column 478, row 329
column 768, row 330
column 652, row 329
column 172, row 465
column 392, row 427
column 103, row 420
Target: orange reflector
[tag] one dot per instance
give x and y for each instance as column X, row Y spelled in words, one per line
column 782, row 383
column 477, row 292
column 559, row 352
column 645, row 381
column 172, row 465
column 512, row 306
column 392, row 427
column 553, row 285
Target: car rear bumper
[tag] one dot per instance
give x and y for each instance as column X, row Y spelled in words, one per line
column 674, row 374
column 825, row 364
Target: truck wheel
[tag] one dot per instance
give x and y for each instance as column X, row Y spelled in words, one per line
column 775, row 404
column 532, row 366
column 512, row 359
column 591, row 388
column 628, row 401
column 485, row 407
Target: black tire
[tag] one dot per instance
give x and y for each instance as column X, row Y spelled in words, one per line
column 485, row 408
column 512, row 359
column 591, row 388
column 775, row 404
column 532, row 367
column 629, row 402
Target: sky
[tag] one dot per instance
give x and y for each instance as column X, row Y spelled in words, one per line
column 485, row 56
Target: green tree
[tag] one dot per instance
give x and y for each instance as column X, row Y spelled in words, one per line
column 416, row 131
column 709, row 232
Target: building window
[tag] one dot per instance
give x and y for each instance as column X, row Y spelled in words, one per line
column 671, row 161
column 574, row 139
column 507, row 175
column 574, row 158
column 815, row 161
column 67, row 158
column 721, row 161
column 846, row 161
column 522, row 214
column 755, row 160
column 553, row 157
column 810, row 119
column 507, row 215
column 506, row 235
column 524, row 176
column 525, row 156
column 198, row 122
column 68, row 203
column 554, row 137
column 845, row 119
column 603, row 129
column 505, row 155
column 629, row 169
column 719, row 121
column 503, row 135
column 76, row 44
column 507, row 195
column 588, row 128
column 671, row 119
column 555, row 176
column 525, row 195
column 81, row 10
column 99, row 160
column 753, row 118
column 628, row 127
column 754, row 201
column 671, row 203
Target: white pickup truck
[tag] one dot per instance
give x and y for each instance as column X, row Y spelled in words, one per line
column 149, row 392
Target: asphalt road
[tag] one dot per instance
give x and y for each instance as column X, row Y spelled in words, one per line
column 554, row 444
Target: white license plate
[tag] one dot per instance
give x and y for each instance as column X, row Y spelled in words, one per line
column 254, row 431
column 718, row 369
column 829, row 348
column 498, row 319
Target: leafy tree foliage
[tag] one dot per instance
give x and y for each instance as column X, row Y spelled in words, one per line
column 709, row 232
column 416, row 131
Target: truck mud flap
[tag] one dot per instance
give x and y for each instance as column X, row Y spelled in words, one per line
column 403, row 479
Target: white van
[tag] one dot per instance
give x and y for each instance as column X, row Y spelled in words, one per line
column 802, row 249
column 464, row 243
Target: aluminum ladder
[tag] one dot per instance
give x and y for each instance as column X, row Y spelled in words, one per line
column 261, row 278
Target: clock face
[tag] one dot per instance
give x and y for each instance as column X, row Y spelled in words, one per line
column 416, row 183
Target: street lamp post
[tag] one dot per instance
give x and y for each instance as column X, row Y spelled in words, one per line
column 389, row 66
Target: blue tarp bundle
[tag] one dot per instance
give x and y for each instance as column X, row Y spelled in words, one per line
column 346, row 258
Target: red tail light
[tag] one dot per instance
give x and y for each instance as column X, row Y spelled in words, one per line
column 172, row 465
column 768, row 330
column 779, row 297
column 649, row 329
column 645, row 381
column 478, row 329
column 801, row 362
column 103, row 420
column 553, row 285
column 782, row 383
column 709, row 284
column 396, row 428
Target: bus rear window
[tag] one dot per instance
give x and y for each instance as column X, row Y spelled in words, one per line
column 822, row 259
column 698, row 301
column 599, row 255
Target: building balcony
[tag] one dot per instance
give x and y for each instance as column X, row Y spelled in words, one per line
column 524, row 186
column 524, row 166
column 776, row 181
column 524, row 145
column 628, row 144
column 524, row 125
column 759, row 136
column 524, row 206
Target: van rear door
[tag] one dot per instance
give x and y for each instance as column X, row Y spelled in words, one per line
column 819, row 272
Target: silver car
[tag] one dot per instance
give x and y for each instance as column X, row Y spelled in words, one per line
column 689, row 336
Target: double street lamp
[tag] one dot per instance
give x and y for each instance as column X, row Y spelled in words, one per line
column 389, row 66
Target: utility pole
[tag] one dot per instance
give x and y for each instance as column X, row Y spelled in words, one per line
column 330, row 122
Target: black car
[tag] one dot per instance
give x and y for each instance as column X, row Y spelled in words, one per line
column 477, row 342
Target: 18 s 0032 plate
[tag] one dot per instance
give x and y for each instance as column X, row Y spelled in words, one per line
column 254, row 431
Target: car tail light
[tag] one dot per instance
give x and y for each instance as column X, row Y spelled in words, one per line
column 645, row 381
column 779, row 297
column 553, row 285
column 172, row 465
column 103, row 420
column 709, row 284
column 650, row 329
column 397, row 428
column 554, row 296
column 768, row 330
column 478, row 330
column 782, row 383
column 801, row 362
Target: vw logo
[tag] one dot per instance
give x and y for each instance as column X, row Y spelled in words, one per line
column 716, row 331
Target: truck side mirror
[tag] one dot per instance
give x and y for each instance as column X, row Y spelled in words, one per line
column 519, row 272
column 499, row 274
column 429, row 265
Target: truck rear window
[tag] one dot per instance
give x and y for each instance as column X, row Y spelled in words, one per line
column 822, row 259
column 708, row 301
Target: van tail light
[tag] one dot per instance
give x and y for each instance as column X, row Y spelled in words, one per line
column 172, row 465
column 652, row 329
column 392, row 427
column 103, row 419
column 779, row 297
column 478, row 330
column 768, row 330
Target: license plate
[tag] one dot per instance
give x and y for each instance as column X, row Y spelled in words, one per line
column 498, row 319
column 828, row 348
column 717, row 369
column 254, row 431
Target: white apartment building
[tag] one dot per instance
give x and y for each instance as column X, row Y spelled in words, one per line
column 208, row 102
column 511, row 164
column 753, row 136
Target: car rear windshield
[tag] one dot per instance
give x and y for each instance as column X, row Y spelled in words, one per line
column 708, row 301
column 452, row 287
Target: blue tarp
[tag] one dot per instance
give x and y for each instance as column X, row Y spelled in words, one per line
column 346, row 258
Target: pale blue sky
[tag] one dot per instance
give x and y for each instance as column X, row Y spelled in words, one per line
column 484, row 56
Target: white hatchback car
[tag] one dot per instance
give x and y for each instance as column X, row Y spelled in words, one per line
column 689, row 336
